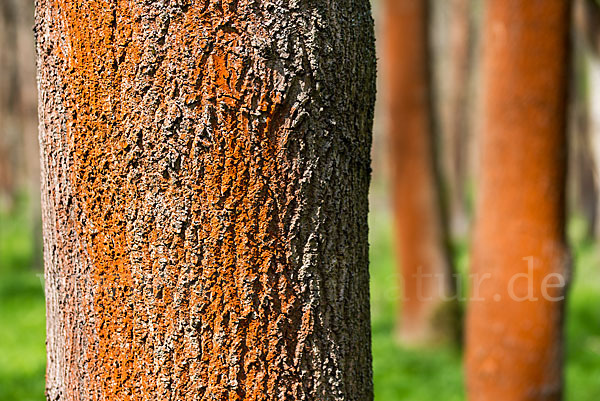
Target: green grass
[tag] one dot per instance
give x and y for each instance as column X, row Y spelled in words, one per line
column 399, row 373
column 22, row 314
column 583, row 319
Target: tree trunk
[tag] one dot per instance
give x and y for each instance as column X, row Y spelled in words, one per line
column 587, row 109
column 423, row 257
column 582, row 188
column 582, row 192
column 593, row 102
column 588, row 22
column 26, row 112
column 454, row 93
column 205, row 179
column 9, row 134
column 519, row 260
column 29, row 110
column 19, row 150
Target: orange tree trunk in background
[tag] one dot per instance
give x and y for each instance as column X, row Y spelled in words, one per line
column 514, row 323
column 423, row 257
column 205, row 178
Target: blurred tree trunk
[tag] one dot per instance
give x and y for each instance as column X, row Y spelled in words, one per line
column 593, row 104
column 25, row 60
column 457, row 118
column 587, row 17
column 29, row 155
column 587, row 22
column 515, row 314
column 583, row 187
column 19, row 150
column 454, row 74
column 206, row 171
column 426, row 312
column 582, row 183
column 9, row 135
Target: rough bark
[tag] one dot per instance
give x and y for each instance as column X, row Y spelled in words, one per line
column 205, row 179
column 420, row 235
column 514, row 343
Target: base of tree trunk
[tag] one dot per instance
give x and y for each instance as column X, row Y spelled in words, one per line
column 441, row 327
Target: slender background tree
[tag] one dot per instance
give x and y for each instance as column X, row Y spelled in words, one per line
column 9, row 135
column 451, row 62
column 586, row 114
column 19, row 150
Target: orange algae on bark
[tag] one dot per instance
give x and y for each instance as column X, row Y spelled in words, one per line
column 206, row 168
column 514, row 320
